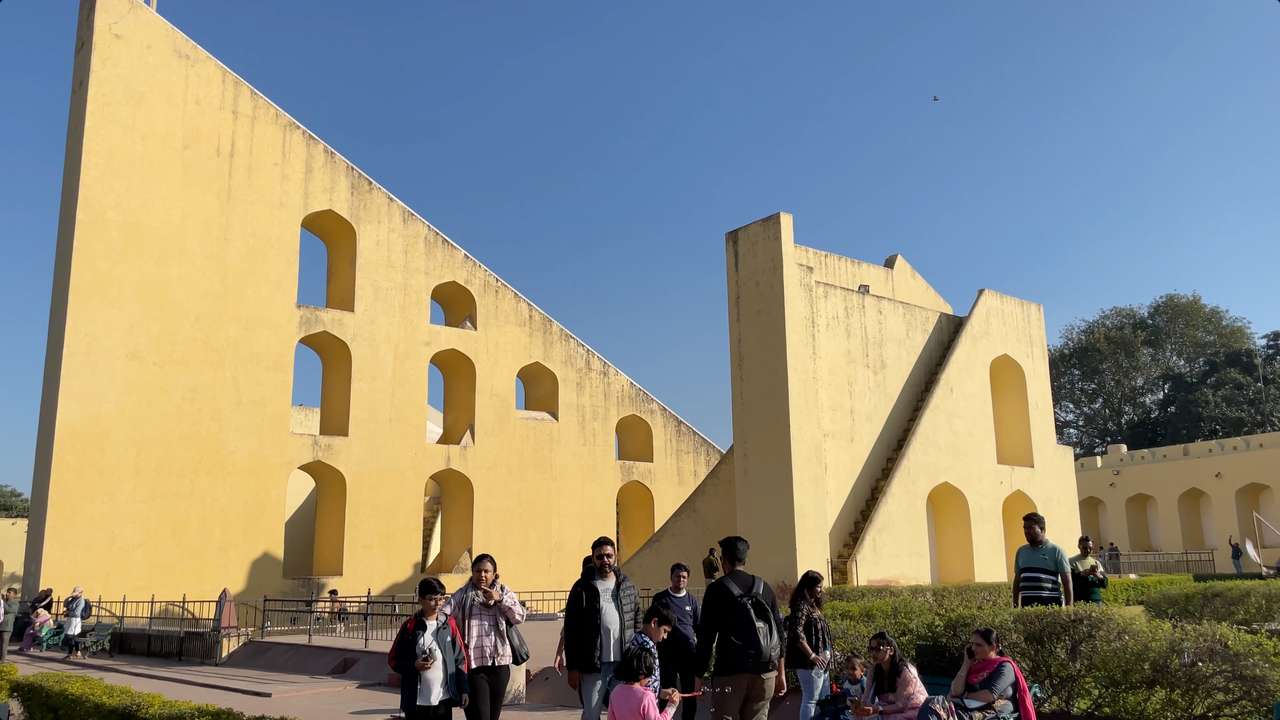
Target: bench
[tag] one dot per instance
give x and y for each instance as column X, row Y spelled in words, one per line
column 50, row 636
column 96, row 639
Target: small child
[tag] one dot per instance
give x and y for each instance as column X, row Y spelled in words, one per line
column 658, row 621
column 843, row 700
column 632, row 699
column 431, row 659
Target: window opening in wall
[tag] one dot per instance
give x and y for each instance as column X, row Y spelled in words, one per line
column 327, row 261
column 950, row 535
column 452, row 305
column 451, row 399
column 635, row 518
column 321, row 394
column 537, row 392
column 448, row 513
column 1011, row 413
column 315, row 522
column 633, row 439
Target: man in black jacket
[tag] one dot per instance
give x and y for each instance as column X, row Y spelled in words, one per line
column 742, row 680
column 602, row 614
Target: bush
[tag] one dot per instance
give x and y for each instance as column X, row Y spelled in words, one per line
column 8, row 671
column 1135, row 591
column 1090, row 661
column 1245, row 603
column 1217, row 577
column 50, row 696
column 970, row 595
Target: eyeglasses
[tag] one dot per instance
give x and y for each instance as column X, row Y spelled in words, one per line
column 875, row 648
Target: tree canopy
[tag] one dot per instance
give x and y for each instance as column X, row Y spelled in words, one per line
column 14, row 502
column 1177, row 370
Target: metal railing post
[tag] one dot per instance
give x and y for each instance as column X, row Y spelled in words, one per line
column 182, row 625
column 368, row 608
column 311, row 617
column 151, row 618
column 262, row 620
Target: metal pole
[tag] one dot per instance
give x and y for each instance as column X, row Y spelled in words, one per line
column 182, row 625
column 262, row 620
column 368, row 607
column 151, row 617
column 311, row 617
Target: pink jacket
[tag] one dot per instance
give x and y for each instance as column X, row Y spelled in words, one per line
column 636, row 702
column 906, row 702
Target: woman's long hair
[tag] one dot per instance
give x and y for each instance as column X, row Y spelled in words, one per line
column 800, row 595
column 992, row 638
column 884, row 683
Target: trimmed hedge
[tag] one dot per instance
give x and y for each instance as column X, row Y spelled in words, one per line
column 1245, row 603
column 1135, row 591
column 1217, row 577
column 1120, row 591
column 52, row 696
column 8, row 671
column 1090, row 661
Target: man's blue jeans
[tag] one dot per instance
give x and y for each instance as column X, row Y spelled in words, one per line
column 594, row 691
column 1239, row 566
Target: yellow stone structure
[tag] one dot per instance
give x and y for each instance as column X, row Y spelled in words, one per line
column 169, row 459
column 13, row 550
column 878, row 437
column 1185, row 497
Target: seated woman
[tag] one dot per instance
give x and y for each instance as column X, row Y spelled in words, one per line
column 41, row 620
column 989, row 686
column 895, row 691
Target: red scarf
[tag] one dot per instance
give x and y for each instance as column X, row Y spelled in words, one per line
column 980, row 669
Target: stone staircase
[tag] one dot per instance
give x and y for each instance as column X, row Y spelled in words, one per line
column 840, row 568
column 430, row 516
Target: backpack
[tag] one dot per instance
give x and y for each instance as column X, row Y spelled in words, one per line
column 754, row 625
column 86, row 612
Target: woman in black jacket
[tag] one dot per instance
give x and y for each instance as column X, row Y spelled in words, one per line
column 431, row 659
column 809, row 642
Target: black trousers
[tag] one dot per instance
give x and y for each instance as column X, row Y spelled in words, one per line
column 430, row 712
column 677, row 663
column 488, row 686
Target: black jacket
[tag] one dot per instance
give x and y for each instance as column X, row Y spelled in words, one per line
column 716, row 630
column 582, row 619
column 404, row 652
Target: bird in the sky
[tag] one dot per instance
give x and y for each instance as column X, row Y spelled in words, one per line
column 937, row 99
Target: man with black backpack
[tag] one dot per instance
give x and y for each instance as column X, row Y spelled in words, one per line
column 741, row 623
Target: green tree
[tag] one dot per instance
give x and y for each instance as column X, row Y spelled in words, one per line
column 1177, row 370
column 14, row 502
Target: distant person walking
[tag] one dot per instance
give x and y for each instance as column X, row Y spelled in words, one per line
column 1237, row 555
column 428, row 654
column 741, row 625
column 710, row 566
column 1113, row 559
column 602, row 614
column 485, row 608
column 678, row 653
column 1087, row 576
column 8, row 614
column 73, row 617
column 1041, row 574
column 809, row 643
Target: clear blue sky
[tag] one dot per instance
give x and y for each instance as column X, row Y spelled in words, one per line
column 594, row 154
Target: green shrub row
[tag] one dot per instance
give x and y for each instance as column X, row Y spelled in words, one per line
column 1120, row 591
column 1246, row 603
column 53, row 696
column 8, row 671
column 1090, row 661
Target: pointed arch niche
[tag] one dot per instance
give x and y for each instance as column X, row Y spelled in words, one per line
column 633, row 439
column 448, row 513
column 334, row 413
column 635, row 518
column 451, row 399
column 1010, row 413
column 1015, row 506
column 453, row 305
column 1259, row 498
column 950, row 535
column 315, row 523
column 1142, row 515
column 538, row 391
column 338, row 238
column 1195, row 519
column 1093, row 520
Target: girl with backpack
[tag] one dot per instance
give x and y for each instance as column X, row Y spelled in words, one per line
column 431, row 659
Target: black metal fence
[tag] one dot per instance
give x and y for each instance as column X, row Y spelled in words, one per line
column 1147, row 563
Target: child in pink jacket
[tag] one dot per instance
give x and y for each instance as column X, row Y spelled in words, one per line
column 631, row 698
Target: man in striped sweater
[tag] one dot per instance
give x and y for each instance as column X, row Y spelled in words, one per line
column 1041, row 574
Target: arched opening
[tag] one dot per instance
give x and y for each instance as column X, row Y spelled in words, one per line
column 635, row 518
column 633, row 439
column 448, row 513
column 324, row 354
column 1011, row 413
column 1141, row 514
column 1093, row 520
column 337, row 255
column 452, row 305
column 1015, row 506
column 315, row 521
column 950, row 535
column 538, row 391
column 451, row 399
column 1195, row 518
column 1261, row 499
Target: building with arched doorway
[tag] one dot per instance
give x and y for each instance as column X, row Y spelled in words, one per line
column 1185, row 497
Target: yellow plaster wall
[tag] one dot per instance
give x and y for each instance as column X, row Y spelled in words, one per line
column 1224, row 470
column 172, row 336
column 13, row 549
